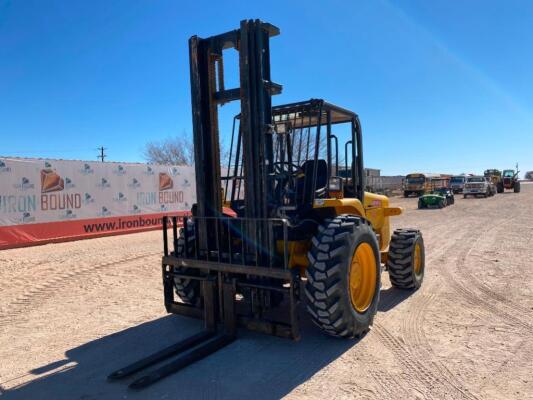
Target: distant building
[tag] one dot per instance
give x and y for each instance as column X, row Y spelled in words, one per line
column 377, row 183
column 372, row 172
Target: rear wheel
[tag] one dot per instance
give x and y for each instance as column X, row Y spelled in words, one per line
column 344, row 276
column 406, row 259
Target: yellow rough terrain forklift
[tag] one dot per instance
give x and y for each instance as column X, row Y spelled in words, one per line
column 281, row 217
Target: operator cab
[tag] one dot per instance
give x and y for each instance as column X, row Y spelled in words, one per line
column 303, row 159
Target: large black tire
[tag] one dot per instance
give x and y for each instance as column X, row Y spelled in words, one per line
column 328, row 276
column 401, row 259
column 500, row 188
column 516, row 187
column 188, row 290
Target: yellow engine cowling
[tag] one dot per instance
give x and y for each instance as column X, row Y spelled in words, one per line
column 378, row 211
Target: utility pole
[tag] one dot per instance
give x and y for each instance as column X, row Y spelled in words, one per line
column 102, row 156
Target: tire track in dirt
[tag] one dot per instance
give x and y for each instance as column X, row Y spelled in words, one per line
column 417, row 341
column 511, row 306
column 387, row 385
column 461, row 275
column 431, row 257
column 413, row 332
column 430, row 375
column 418, row 374
column 42, row 291
column 477, row 227
column 413, row 325
column 492, row 235
column 432, row 371
column 42, row 267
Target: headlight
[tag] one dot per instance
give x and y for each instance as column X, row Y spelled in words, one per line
column 335, row 187
column 335, row 184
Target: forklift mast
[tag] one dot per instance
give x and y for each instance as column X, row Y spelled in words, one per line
column 255, row 91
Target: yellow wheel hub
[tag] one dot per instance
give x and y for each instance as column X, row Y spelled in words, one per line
column 363, row 277
column 417, row 261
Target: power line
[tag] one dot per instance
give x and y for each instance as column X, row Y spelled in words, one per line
column 102, row 156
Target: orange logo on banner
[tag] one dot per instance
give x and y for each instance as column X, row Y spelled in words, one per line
column 165, row 181
column 51, row 181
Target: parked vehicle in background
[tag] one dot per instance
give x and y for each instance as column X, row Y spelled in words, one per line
column 421, row 183
column 492, row 186
column 476, row 186
column 494, row 176
column 457, row 183
column 448, row 193
column 509, row 181
column 440, row 198
column 529, row 176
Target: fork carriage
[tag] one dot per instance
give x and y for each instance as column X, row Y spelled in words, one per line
column 238, row 279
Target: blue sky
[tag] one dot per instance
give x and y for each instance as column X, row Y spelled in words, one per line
column 440, row 86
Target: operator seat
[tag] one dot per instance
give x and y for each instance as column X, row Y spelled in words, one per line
column 305, row 182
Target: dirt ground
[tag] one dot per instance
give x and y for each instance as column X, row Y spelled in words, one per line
column 70, row 313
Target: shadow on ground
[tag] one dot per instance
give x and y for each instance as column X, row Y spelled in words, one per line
column 391, row 297
column 258, row 366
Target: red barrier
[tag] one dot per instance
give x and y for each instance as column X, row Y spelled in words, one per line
column 62, row 231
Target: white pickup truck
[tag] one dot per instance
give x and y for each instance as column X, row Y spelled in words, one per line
column 457, row 183
column 477, row 186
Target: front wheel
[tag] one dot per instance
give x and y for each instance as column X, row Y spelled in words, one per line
column 517, row 187
column 187, row 289
column 406, row 261
column 344, row 276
